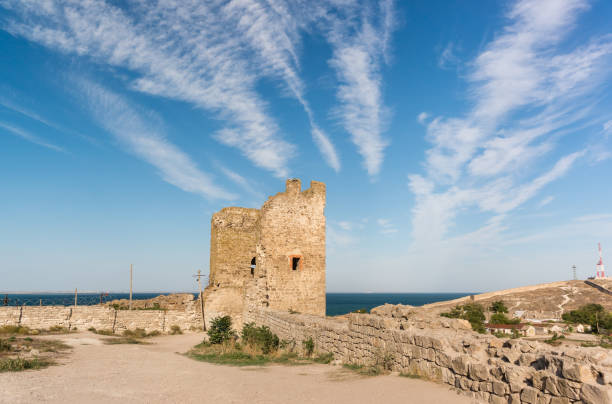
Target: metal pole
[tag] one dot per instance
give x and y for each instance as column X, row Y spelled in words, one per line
column 201, row 299
column 75, row 297
column 131, row 281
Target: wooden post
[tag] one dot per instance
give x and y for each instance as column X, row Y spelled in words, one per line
column 40, row 303
column 75, row 297
column 201, row 299
column 131, row 281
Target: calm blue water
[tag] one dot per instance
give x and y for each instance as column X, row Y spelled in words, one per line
column 337, row 303
column 342, row 303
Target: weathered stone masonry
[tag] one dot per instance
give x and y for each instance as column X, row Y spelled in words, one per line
column 271, row 257
column 101, row 318
column 488, row 368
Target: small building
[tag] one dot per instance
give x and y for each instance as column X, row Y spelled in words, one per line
column 522, row 329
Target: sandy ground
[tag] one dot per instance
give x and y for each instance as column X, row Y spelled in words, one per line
column 157, row 373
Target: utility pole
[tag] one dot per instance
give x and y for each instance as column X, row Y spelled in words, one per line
column 75, row 298
column 199, row 276
column 131, row 281
column 574, row 271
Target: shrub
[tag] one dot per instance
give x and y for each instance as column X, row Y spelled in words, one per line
column 472, row 312
column 260, row 337
column 308, row 346
column 498, row 307
column 592, row 314
column 288, row 345
column 135, row 333
column 220, row 330
column 5, row 346
column 500, row 318
column 18, row 364
column 175, row 329
column 140, row 333
column 324, row 358
column 360, row 311
column 15, row 329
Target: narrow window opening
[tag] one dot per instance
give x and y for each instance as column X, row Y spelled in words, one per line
column 295, row 263
column 253, row 264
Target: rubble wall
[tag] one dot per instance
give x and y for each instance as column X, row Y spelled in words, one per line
column 489, row 369
column 100, row 317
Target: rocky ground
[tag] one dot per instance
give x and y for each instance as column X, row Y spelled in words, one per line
column 158, row 372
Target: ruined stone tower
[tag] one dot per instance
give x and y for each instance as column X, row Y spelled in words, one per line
column 270, row 257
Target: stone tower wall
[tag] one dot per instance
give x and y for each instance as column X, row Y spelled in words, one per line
column 292, row 225
column 232, row 247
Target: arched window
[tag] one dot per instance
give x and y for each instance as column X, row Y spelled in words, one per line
column 253, row 264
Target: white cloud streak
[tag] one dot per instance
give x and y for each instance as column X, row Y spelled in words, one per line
column 360, row 46
column 135, row 132
column 213, row 54
column 527, row 93
column 386, row 226
column 30, row 137
column 180, row 50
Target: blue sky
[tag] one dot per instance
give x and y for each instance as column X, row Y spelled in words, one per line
column 466, row 146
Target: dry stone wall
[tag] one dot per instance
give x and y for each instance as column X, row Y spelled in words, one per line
column 100, row 317
column 490, row 369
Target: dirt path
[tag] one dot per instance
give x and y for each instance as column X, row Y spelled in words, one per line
column 98, row 373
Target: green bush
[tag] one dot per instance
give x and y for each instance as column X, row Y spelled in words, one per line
column 308, row 346
column 592, row 314
column 220, row 330
column 472, row 312
column 19, row 364
column 498, row 307
column 500, row 318
column 260, row 337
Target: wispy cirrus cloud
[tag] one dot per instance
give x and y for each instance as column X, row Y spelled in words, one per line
column 360, row 43
column 26, row 135
column 386, row 226
column 213, row 55
column 134, row 131
column 527, row 92
column 179, row 50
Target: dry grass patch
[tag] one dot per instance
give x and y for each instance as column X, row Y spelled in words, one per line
column 23, row 353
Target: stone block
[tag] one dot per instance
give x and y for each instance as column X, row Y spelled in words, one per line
column 478, row 371
column 595, row 394
column 460, row 365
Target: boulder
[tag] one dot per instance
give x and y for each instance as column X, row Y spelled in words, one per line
column 578, row 372
column 595, row 394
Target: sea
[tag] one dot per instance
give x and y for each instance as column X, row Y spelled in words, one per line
column 337, row 303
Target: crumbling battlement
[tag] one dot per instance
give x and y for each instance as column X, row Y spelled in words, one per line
column 270, row 257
